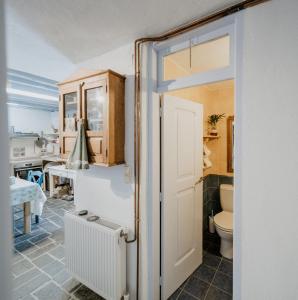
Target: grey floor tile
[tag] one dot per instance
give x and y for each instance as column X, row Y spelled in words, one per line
column 223, row 282
column 216, row 294
column 53, row 268
column 21, row 267
column 40, row 251
column 58, row 252
column 71, row 285
column 175, row 295
column 196, row 287
column 28, row 297
column 61, row 277
column 25, row 245
column 186, row 296
column 31, row 286
column 51, row 291
column 50, row 227
column 58, row 236
column 43, row 260
column 226, row 267
column 211, row 260
column 17, row 257
column 39, row 237
column 44, row 242
column 83, row 293
column 25, row 277
column 57, row 220
column 205, row 273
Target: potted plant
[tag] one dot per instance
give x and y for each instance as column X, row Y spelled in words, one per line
column 212, row 121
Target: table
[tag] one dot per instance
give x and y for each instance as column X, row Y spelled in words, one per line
column 60, row 171
column 31, row 196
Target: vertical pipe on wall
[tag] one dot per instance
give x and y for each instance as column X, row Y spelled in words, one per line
column 5, row 213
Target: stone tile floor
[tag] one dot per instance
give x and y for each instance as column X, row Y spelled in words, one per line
column 38, row 262
column 39, row 273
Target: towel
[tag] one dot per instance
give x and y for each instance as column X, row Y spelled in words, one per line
column 78, row 158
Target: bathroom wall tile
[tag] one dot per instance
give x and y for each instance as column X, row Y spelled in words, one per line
column 226, row 179
column 213, row 180
column 213, row 194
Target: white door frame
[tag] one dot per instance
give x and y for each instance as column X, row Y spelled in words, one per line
column 151, row 149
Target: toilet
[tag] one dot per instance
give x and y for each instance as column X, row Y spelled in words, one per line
column 224, row 220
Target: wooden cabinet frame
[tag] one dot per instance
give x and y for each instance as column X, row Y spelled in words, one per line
column 105, row 147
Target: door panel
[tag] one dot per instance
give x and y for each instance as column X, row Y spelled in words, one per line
column 181, row 209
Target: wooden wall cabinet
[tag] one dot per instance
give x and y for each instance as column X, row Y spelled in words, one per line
column 98, row 98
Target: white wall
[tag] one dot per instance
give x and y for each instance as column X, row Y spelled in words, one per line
column 268, row 153
column 5, row 213
column 31, row 120
column 103, row 190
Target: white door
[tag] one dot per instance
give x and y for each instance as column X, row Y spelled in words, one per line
column 182, row 193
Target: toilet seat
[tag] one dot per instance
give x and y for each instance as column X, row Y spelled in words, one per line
column 224, row 221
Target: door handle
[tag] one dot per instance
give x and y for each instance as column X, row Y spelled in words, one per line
column 198, row 181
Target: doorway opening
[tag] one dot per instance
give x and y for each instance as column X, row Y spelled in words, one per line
column 196, row 252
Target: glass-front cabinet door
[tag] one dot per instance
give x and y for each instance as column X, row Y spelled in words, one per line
column 94, row 105
column 70, row 108
column 94, row 96
column 70, row 102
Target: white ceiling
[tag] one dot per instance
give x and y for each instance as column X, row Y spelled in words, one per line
column 82, row 29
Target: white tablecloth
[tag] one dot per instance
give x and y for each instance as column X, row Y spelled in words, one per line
column 24, row 191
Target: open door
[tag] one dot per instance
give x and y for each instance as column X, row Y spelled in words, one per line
column 182, row 192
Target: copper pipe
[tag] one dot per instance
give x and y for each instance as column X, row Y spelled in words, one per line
column 137, row 114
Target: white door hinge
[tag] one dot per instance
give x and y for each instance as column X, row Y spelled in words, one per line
column 160, row 197
column 160, row 111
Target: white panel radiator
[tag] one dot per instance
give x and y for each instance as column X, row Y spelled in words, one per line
column 96, row 255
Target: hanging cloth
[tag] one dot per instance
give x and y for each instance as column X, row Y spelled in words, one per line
column 78, row 159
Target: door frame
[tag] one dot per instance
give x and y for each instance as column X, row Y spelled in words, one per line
column 150, row 149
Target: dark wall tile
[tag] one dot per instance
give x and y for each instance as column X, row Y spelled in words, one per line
column 213, row 180
column 226, row 179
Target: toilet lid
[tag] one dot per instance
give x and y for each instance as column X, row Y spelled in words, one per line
column 224, row 220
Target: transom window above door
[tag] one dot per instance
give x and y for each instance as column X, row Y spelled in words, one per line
column 196, row 59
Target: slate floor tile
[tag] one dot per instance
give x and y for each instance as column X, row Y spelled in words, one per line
column 40, row 251
column 25, row 277
column 216, row 294
column 175, row 295
column 21, row 267
column 83, row 293
column 71, row 285
column 58, row 252
column 30, row 286
column 25, row 245
column 53, row 268
column 61, row 277
column 223, row 282
column 196, row 287
column 211, row 260
column 39, row 237
column 43, row 260
column 186, row 296
column 51, row 291
column 205, row 273
column 226, row 267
